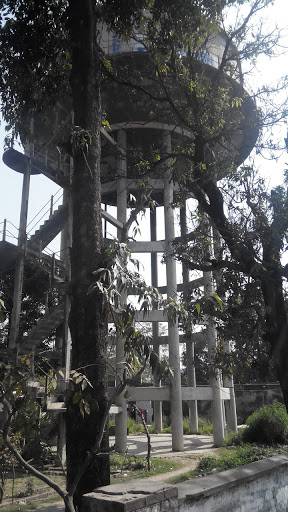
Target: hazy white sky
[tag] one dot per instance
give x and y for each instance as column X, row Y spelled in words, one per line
column 42, row 188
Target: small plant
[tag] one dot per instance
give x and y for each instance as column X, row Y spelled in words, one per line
column 268, row 425
column 186, row 426
column 134, row 428
column 29, row 487
column 205, row 427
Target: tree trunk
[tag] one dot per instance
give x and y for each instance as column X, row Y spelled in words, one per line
column 276, row 324
column 89, row 313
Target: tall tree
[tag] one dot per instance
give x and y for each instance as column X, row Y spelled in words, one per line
column 89, row 313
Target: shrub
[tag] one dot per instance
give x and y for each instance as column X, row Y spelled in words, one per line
column 268, row 425
column 134, row 428
column 234, row 438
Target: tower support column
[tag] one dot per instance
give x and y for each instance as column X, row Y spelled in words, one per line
column 231, row 413
column 19, row 267
column 121, row 418
column 215, row 377
column 173, row 332
column 157, row 406
column 190, row 345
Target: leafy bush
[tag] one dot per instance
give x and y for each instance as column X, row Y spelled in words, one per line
column 268, row 425
column 134, row 428
column 234, row 438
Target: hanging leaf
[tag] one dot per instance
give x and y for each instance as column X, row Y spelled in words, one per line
column 217, row 298
column 76, row 398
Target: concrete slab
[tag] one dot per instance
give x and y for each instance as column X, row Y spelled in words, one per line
column 130, row 496
column 162, row 445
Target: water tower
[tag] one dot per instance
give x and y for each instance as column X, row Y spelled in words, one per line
column 134, row 132
column 139, row 131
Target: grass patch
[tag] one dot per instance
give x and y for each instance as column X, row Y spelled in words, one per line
column 28, row 485
column 228, row 458
column 205, row 427
column 30, row 506
column 136, row 467
column 17, row 508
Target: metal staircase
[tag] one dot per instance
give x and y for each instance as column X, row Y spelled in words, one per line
column 43, row 329
column 50, row 228
column 40, row 164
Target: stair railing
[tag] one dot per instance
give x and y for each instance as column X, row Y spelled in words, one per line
column 47, row 207
column 51, row 205
column 7, row 231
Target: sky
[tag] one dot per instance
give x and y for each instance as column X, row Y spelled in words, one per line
column 42, row 188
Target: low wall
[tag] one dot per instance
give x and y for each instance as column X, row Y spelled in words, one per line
column 141, row 495
column 261, row 486
column 250, row 397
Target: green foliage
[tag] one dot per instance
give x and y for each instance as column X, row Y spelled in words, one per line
column 241, row 455
column 205, row 426
column 234, row 438
column 228, row 459
column 79, row 391
column 268, row 425
column 122, row 276
column 134, row 428
column 186, row 425
column 31, row 73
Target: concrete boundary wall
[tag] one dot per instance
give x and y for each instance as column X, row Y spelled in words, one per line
column 261, row 486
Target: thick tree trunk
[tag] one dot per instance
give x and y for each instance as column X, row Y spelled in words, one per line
column 276, row 325
column 89, row 314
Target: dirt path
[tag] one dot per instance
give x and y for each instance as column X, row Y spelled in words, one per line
column 195, row 447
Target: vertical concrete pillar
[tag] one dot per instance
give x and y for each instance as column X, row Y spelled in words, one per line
column 230, row 405
column 173, row 332
column 121, row 418
column 19, row 266
column 215, row 378
column 231, row 413
column 191, row 379
column 66, row 243
column 61, row 440
column 157, row 405
column 190, row 345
